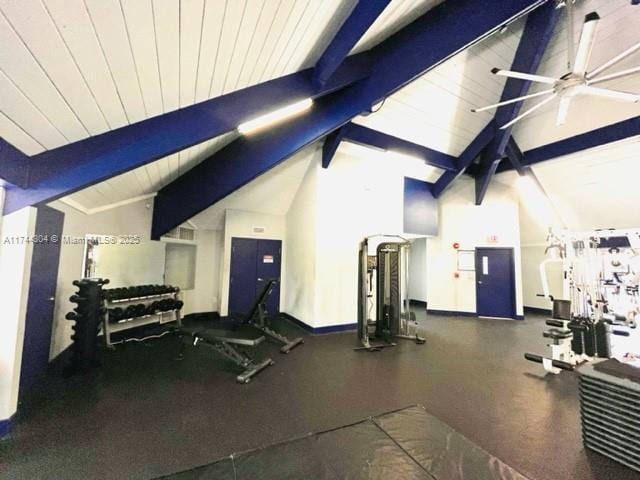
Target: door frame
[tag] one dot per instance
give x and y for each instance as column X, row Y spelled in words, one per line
column 35, row 361
column 512, row 264
column 228, row 279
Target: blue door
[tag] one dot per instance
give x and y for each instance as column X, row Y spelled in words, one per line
column 253, row 261
column 495, row 283
column 42, row 291
column 268, row 267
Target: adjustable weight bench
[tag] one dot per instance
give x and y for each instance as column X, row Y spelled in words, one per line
column 226, row 339
column 257, row 319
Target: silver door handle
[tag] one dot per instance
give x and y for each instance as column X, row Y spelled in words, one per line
column 52, row 299
column 479, row 282
column 260, row 279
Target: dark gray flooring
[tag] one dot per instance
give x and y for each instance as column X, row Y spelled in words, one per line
column 146, row 415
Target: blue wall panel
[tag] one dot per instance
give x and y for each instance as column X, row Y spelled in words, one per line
column 420, row 208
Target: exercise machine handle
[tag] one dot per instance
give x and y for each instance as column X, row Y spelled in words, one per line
column 556, row 363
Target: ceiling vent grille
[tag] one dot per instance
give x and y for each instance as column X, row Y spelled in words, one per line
column 182, row 233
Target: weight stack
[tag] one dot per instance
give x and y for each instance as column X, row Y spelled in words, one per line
column 87, row 316
column 610, row 413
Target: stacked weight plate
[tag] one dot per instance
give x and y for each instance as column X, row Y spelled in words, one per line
column 610, row 411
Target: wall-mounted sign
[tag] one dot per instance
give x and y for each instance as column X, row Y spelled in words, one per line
column 258, row 229
column 492, row 239
column 466, row 260
column 267, row 259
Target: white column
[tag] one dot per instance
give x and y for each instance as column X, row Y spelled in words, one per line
column 15, row 272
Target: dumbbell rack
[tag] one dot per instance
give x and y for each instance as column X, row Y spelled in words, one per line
column 167, row 316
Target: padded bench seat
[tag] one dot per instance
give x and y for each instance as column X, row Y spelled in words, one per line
column 556, row 334
column 236, row 334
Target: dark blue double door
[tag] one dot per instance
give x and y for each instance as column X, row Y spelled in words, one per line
column 253, row 262
column 495, row 283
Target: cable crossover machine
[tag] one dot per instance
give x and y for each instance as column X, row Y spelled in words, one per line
column 383, row 292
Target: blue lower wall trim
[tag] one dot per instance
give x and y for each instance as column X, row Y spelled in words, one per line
column 336, row 328
column 5, row 427
column 451, row 313
column 320, row 330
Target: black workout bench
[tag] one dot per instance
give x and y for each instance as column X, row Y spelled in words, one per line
column 257, row 318
column 231, row 334
column 225, row 339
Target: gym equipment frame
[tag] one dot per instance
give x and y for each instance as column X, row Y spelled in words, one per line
column 390, row 267
column 601, row 274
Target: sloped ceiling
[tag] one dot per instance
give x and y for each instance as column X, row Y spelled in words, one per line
column 618, row 29
column 74, row 68
column 271, row 193
column 593, row 189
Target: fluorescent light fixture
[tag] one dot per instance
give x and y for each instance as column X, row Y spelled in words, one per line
column 275, row 116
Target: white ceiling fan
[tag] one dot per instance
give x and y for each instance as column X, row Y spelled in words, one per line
column 577, row 81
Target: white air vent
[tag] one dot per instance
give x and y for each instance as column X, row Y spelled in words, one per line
column 182, row 233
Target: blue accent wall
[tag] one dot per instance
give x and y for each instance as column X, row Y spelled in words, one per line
column 420, row 208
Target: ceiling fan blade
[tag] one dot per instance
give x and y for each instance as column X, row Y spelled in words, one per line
column 524, row 76
column 531, row 110
column 613, row 94
column 513, row 100
column 621, row 56
column 585, row 46
column 563, row 110
column 622, row 73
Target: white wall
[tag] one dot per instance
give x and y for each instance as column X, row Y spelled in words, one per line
column 532, row 256
column 471, row 226
column 15, row 272
column 418, row 270
column 206, row 294
column 132, row 219
column 300, row 245
column 126, row 263
column 130, row 264
column 239, row 223
column 357, row 196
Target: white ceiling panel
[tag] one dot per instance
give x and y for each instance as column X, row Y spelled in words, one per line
column 74, row 68
column 596, row 188
column 435, row 109
column 77, row 68
column 398, row 14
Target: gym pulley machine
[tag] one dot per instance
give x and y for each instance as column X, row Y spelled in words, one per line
column 599, row 315
column 384, row 276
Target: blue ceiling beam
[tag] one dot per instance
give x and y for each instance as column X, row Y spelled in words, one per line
column 245, row 159
column 331, row 144
column 366, row 136
column 64, row 170
column 591, row 139
column 14, row 165
column 466, row 158
column 535, row 38
column 515, row 156
column 442, row 32
column 361, row 135
column 354, row 27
